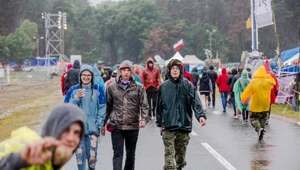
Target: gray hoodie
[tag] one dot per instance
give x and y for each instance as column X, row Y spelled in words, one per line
column 61, row 117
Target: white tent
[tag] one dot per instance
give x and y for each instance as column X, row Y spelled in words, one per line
column 177, row 55
column 192, row 60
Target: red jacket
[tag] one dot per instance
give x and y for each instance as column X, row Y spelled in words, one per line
column 62, row 79
column 275, row 89
column 151, row 77
column 222, row 81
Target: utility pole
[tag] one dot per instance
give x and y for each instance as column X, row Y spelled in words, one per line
column 37, row 44
column 210, row 33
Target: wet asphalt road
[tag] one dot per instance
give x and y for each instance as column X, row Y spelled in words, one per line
column 223, row 144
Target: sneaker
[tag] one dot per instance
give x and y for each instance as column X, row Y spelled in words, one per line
column 236, row 117
column 208, row 103
column 244, row 122
column 261, row 133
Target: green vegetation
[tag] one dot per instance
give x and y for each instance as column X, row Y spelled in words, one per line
column 137, row 29
column 289, row 113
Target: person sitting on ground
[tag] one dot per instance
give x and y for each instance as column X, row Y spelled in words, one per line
column 61, row 136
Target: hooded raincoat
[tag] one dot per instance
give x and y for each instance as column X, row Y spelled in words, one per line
column 126, row 107
column 151, row 77
column 176, row 101
column 61, row 117
column 238, row 88
column 275, row 88
column 259, row 89
column 98, row 78
column 93, row 103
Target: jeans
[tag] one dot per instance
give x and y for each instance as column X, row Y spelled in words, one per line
column 118, row 137
column 87, row 151
column 224, row 100
column 233, row 104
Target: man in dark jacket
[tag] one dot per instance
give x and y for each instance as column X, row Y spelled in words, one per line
column 195, row 76
column 231, row 100
column 234, row 79
column 213, row 77
column 72, row 77
column 126, row 112
column 177, row 99
column 61, row 134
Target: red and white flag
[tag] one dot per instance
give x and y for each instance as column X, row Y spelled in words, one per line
column 178, row 45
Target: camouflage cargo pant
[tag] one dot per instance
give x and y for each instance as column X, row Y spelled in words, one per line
column 258, row 119
column 175, row 149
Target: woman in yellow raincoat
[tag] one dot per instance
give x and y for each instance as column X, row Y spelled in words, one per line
column 259, row 89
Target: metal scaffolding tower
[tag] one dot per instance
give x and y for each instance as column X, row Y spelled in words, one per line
column 55, row 25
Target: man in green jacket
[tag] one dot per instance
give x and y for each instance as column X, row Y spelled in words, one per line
column 176, row 99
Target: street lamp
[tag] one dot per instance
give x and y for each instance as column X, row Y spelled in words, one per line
column 37, row 44
column 210, row 32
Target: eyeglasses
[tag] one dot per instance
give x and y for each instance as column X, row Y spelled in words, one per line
column 86, row 75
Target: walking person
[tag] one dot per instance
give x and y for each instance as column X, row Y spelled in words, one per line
column 238, row 89
column 275, row 88
column 224, row 88
column 195, row 76
column 205, row 89
column 72, row 77
column 151, row 80
column 259, row 90
column 231, row 99
column 62, row 79
column 63, row 131
column 234, row 79
column 90, row 98
column 177, row 99
column 126, row 112
column 212, row 74
column 296, row 91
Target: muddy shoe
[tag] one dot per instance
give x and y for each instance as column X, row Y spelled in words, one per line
column 261, row 133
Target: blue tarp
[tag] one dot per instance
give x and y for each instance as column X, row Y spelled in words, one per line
column 285, row 55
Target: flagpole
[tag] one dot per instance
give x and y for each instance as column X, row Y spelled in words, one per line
column 254, row 28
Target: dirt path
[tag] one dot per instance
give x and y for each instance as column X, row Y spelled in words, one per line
column 27, row 104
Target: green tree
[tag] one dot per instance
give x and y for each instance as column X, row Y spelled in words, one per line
column 137, row 18
column 109, row 29
column 20, row 43
column 4, row 50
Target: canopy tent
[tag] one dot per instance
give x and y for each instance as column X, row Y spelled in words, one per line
column 159, row 60
column 192, row 59
column 288, row 56
column 177, row 55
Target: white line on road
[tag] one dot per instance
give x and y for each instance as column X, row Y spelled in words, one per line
column 218, row 157
column 217, row 112
column 194, row 133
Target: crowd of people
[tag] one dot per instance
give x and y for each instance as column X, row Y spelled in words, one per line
column 132, row 97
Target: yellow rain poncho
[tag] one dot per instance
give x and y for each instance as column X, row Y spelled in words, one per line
column 19, row 139
column 259, row 89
